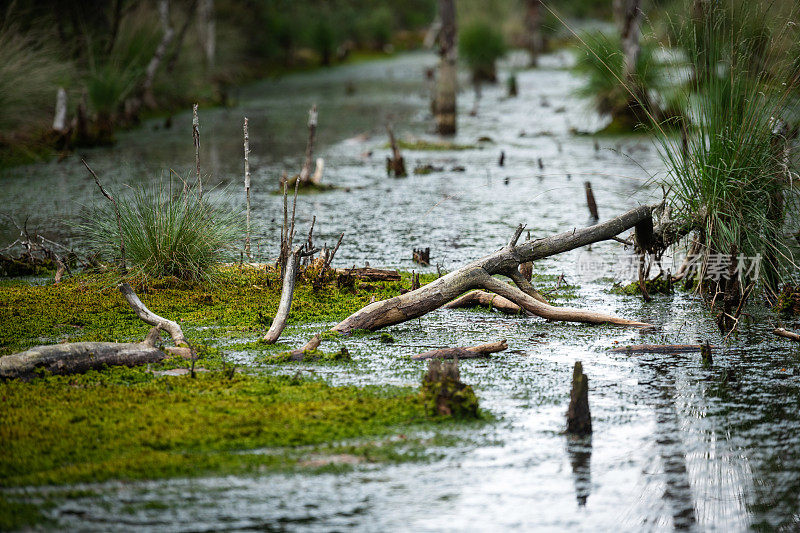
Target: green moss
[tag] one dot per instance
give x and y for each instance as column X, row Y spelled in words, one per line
column 17, row 515
column 309, row 356
column 89, row 308
column 129, row 424
column 654, row 286
column 387, row 339
column 788, row 302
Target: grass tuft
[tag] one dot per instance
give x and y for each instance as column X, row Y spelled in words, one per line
column 166, row 234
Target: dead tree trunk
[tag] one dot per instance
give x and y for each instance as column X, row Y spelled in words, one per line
column 207, row 28
column 196, row 138
column 506, row 261
column 60, row 117
column 447, row 79
column 145, row 95
column 591, row 203
column 780, row 332
column 629, row 20
column 76, row 358
column 472, row 352
column 533, row 27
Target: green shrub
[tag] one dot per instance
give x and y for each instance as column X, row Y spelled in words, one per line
column 601, row 60
column 166, row 234
column 481, row 46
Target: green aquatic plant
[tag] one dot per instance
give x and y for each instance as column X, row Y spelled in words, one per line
column 166, row 233
column 481, row 46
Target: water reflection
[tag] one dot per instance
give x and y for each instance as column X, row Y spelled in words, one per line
column 579, row 450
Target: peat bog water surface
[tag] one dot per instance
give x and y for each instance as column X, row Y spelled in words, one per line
column 675, row 445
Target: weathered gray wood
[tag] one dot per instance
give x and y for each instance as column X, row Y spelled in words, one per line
column 151, row 318
column 305, row 173
column 506, row 261
column 780, row 332
column 484, row 299
column 76, row 358
column 287, row 293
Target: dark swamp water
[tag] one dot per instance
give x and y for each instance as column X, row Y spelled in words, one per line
column 675, row 445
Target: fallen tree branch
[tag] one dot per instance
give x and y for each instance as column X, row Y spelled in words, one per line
column 471, row 352
column 484, row 299
column 780, row 332
column 550, row 312
column 79, row 357
column 506, row 261
column 368, row 273
column 151, row 318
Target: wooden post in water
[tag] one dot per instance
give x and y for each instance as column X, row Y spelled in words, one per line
column 533, row 28
column 591, row 204
column 247, row 187
column 579, row 419
column 447, row 78
column 196, row 137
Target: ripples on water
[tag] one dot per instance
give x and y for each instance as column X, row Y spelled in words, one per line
column 675, row 445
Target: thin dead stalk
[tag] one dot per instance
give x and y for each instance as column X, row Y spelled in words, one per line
column 116, row 210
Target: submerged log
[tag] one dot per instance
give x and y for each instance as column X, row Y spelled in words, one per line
column 76, row 358
column 471, row 352
column 579, row 419
column 505, row 261
column 485, row 299
column 659, row 348
column 780, row 332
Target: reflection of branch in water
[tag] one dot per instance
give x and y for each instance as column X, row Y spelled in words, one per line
column 579, row 450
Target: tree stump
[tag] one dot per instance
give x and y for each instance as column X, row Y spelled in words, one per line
column 579, row 419
column 445, row 394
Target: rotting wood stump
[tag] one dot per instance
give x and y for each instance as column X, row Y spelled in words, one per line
column 579, row 419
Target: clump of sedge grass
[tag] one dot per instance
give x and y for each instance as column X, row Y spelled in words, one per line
column 732, row 172
column 166, row 233
column 601, row 60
